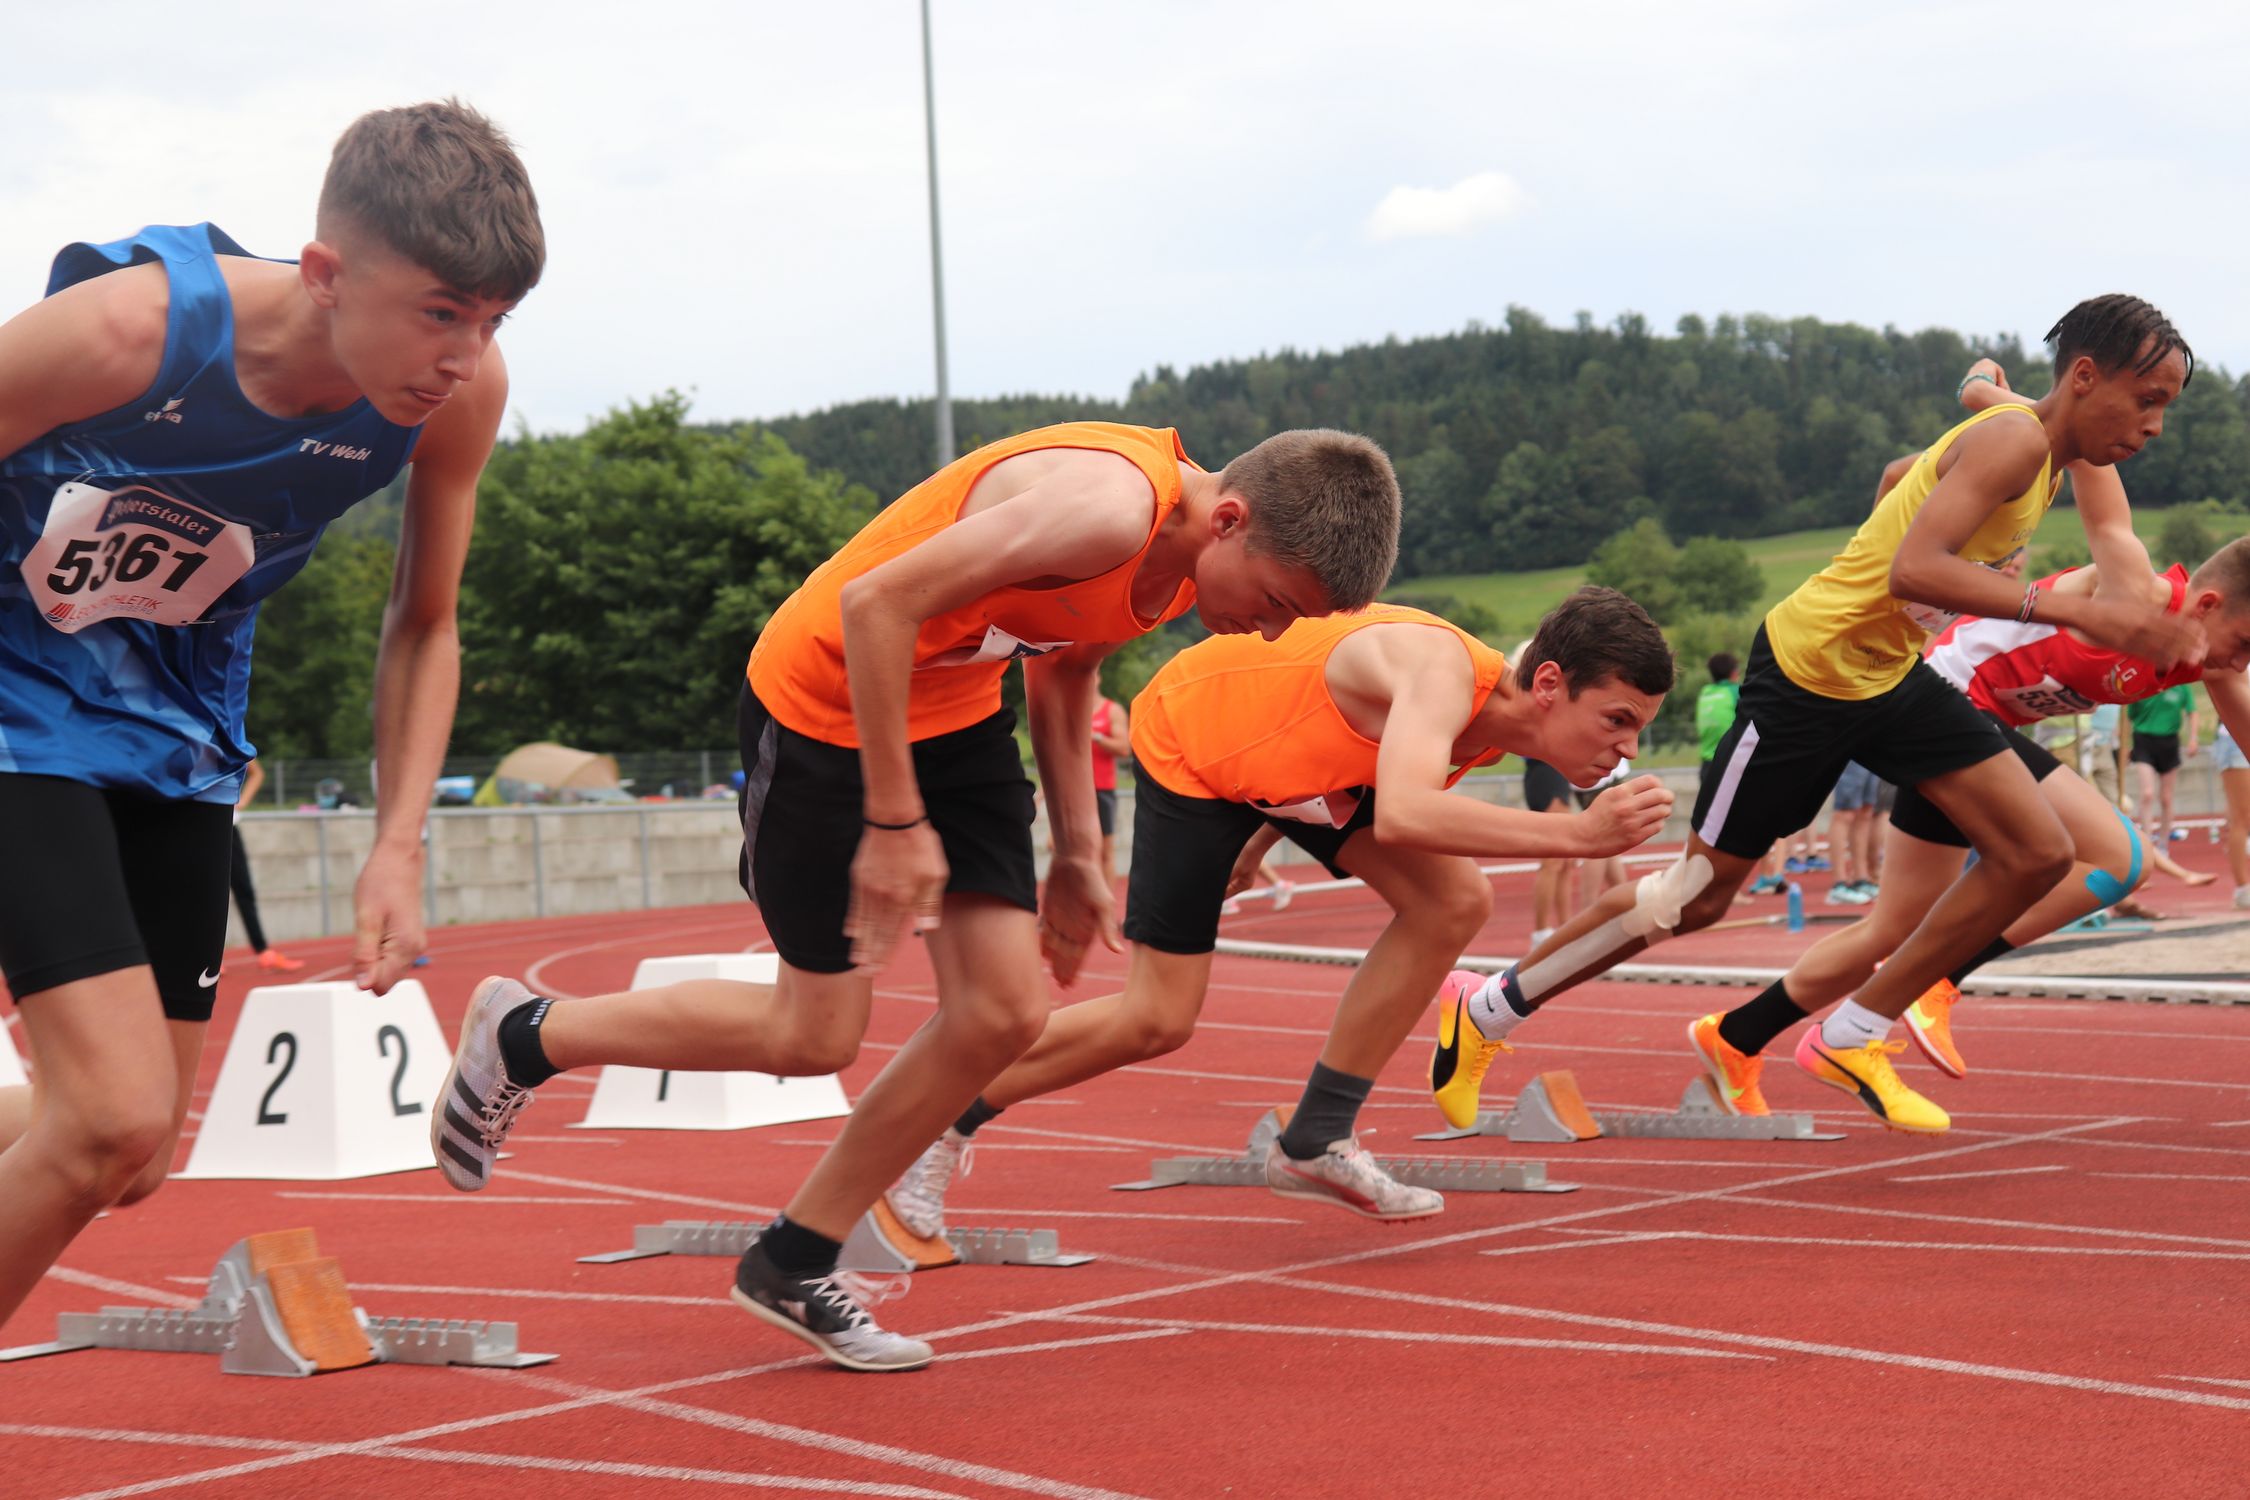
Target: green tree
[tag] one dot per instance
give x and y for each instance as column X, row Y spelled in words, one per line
column 1641, row 563
column 1717, row 577
column 619, row 578
column 2182, row 538
column 313, row 691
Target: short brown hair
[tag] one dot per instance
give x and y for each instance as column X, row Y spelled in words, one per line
column 1326, row 501
column 440, row 185
column 1598, row 633
column 2228, row 571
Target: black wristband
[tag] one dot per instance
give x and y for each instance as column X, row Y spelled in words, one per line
column 896, row 827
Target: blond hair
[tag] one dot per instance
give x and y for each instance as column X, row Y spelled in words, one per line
column 440, row 185
column 1325, row 501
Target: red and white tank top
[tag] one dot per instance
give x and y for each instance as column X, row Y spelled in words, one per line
column 2025, row 673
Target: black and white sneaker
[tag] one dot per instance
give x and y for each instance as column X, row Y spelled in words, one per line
column 478, row 1103
column 828, row 1312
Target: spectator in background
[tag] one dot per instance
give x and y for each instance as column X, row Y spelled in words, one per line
column 2163, row 734
column 272, row 960
column 1715, row 707
column 2101, row 755
column 2234, row 777
column 1112, row 742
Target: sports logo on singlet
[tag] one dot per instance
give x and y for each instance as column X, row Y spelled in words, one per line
column 1332, row 811
column 997, row 645
column 133, row 554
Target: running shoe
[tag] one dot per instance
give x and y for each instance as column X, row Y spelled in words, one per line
column 1284, row 892
column 2242, row 898
column 1866, row 1073
column 1846, row 893
column 1734, row 1076
column 1348, row 1177
column 1462, row 1054
column 1796, row 866
column 1765, row 883
column 480, row 1104
column 918, row 1197
column 274, row 961
column 1231, row 907
column 1818, row 864
column 828, row 1312
column 1929, row 1021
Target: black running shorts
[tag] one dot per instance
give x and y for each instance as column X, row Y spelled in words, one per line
column 1777, row 764
column 94, row 881
column 1918, row 816
column 802, row 802
column 1185, row 847
column 2159, row 752
column 1544, row 786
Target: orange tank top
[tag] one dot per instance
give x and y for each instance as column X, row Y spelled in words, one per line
column 1239, row 718
column 797, row 666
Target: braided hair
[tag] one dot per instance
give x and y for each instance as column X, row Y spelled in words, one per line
column 2117, row 332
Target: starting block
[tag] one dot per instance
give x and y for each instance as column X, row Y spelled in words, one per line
column 877, row 1243
column 1448, row 1174
column 322, row 1082
column 276, row 1306
column 1551, row 1110
column 661, row 1099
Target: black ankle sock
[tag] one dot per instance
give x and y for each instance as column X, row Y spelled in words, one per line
column 520, row 1051
column 1751, row 1026
column 1326, row 1113
column 798, row 1252
column 978, row 1115
column 1999, row 947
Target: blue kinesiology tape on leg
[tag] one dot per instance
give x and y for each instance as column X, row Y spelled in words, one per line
column 2107, row 888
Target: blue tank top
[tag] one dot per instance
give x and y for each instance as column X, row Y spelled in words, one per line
column 135, row 546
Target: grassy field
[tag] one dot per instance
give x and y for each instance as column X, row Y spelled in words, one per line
column 1519, row 599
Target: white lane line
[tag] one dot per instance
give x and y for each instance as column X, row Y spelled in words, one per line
column 634, row 1399
column 489, row 1460
column 483, row 1198
column 2212, row 1380
column 651, row 1194
column 1896, row 1359
column 2038, row 1226
column 1841, row 1243
column 1020, row 1215
column 1593, row 1237
column 984, row 1145
column 1402, row 1336
column 530, row 1294
column 2174, row 1176
column 534, row 975
column 1995, row 1172
column 124, row 1288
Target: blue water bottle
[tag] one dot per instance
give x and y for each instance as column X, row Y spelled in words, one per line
column 1796, row 907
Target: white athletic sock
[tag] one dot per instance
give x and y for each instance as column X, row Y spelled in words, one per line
column 1853, row 1025
column 1540, row 935
column 1494, row 1009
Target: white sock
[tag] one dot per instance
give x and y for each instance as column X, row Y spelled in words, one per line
column 1853, row 1025
column 1493, row 1011
column 1540, row 935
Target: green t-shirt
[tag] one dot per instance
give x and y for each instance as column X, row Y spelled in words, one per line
column 2162, row 713
column 1714, row 714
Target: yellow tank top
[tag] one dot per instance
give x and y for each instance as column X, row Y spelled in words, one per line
column 1842, row 634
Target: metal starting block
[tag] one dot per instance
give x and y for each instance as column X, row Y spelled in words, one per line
column 878, row 1242
column 1551, row 1110
column 1448, row 1174
column 275, row 1306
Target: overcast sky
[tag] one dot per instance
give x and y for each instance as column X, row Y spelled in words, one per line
column 735, row 203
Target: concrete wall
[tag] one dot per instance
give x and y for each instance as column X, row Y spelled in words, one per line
column 500, row 865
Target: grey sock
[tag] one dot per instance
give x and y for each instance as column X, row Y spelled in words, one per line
column 1326, row 1113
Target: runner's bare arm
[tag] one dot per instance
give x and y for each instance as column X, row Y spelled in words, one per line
column 1431, row 702
column 1075, row 528
column 1079, row 907
column 1990, row 463
column 2230, row 695
column 418, row 667
column 1119, row 740
column 88, row 349
column 2103, row 509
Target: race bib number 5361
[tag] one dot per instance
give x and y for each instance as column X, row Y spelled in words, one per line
column 131, row 554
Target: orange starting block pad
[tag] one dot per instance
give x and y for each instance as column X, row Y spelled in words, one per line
column 877, row 1243
column 1551, row 1110
column 276, row 1306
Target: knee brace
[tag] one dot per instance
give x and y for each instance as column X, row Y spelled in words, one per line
column 2107, row 888
column 1658, row 901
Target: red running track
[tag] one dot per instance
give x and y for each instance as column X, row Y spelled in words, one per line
column 2045, row 1301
